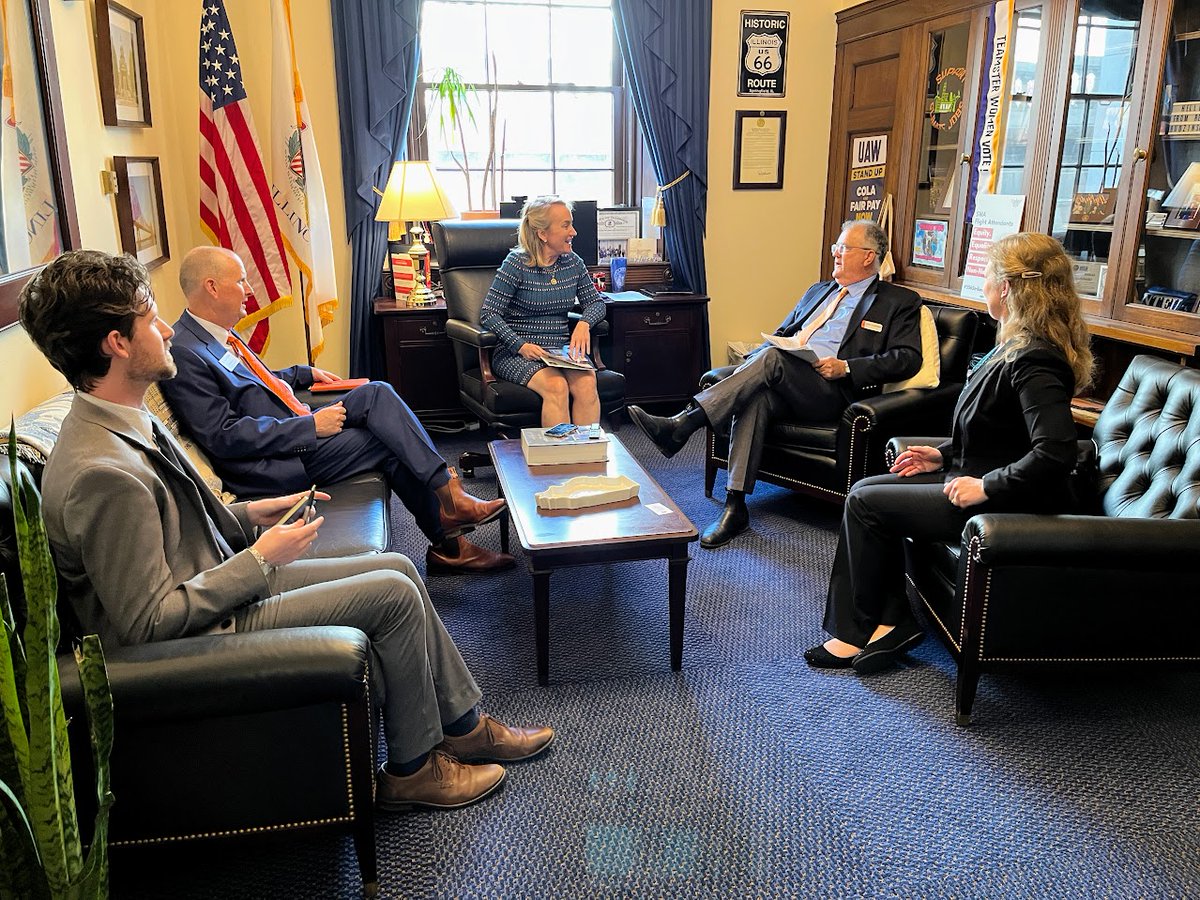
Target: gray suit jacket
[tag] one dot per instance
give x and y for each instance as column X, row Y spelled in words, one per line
column 133, row 539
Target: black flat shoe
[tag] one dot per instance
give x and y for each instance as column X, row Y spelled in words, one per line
column 734, row 519
column 882, row 654
column 820, row 658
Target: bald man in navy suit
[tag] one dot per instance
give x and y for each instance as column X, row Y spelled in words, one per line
column 263, row 441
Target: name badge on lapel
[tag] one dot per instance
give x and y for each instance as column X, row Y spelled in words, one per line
column 871, row 326
column 228, row 361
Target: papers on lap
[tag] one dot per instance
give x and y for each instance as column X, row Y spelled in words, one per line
column 561, row 359
column 791, row 345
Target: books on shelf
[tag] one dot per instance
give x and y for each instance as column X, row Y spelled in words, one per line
column 584, row 446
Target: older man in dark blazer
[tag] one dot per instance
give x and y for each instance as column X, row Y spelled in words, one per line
column 144, row 552
column 262, row 440
column 864, row 332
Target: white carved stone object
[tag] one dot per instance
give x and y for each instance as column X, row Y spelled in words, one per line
column 587, row 490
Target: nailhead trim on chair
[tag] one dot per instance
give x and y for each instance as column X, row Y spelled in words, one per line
column 854, row 432
column 933, row 614
column 262, row 829
column 972, row 560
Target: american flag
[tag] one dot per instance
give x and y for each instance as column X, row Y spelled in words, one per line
column 236, row 209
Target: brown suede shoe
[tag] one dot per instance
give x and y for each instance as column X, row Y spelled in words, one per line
column 470, row 560
column 460, row 511
column 493, row 741
column 442, row 783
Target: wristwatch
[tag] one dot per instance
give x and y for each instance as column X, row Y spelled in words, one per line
column 266, row 567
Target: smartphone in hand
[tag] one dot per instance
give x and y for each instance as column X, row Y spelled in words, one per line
column 301, row 507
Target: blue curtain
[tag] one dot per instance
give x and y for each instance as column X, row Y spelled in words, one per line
column 376, row 56
column 666, row 47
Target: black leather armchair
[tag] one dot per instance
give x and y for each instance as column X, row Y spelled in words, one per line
column 1116, row 589
column 824, row 460
column 228, row 735
column 469, row 253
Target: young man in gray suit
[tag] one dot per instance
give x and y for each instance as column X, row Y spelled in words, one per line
column 145, row 552
column 864, row 331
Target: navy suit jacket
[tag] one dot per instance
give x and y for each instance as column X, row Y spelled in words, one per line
column 887, row 349
column 254, row 440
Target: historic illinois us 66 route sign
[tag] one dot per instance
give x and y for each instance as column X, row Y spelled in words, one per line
column 763, row 49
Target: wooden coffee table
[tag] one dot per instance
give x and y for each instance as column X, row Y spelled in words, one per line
column 649, row 526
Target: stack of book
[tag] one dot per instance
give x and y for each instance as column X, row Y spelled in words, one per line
column 583, row 446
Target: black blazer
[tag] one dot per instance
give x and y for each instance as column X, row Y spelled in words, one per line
column 883, row 339
column 1013, row 428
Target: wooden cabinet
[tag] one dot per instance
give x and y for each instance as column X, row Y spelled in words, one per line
column 660, row 346
column 1098, row 103
column 420, row 359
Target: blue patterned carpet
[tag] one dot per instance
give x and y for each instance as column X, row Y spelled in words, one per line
column 747, row 774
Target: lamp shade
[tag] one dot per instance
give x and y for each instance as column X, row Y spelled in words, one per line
column 413, row 195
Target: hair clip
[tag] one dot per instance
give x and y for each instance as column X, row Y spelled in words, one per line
column 1027, row 275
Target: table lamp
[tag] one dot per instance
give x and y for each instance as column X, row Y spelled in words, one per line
column 413, row 195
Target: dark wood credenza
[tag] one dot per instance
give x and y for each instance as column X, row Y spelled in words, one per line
column 659, row 344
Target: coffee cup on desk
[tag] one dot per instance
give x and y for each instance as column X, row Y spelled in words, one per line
column 619, row 266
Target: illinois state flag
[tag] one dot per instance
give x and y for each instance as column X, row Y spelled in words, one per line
column 236, row 209
column 298, row 187
column 31, row 222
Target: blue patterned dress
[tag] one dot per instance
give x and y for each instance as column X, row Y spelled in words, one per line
column 529, row 305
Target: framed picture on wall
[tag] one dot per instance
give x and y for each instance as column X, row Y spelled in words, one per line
column 141, row 215
column 121, row 64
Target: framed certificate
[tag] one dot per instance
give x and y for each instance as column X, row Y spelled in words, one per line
column 758, row 142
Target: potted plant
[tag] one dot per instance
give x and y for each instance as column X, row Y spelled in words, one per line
column 455, row 100
column 41, row 854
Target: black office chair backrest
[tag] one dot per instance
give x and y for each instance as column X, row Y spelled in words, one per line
column 468, row 255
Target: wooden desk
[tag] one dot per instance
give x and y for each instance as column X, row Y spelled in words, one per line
column 420, row 358
column 615, row 532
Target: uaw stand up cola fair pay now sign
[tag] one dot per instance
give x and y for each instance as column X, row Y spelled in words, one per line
column 868, row 164
column 763, row 53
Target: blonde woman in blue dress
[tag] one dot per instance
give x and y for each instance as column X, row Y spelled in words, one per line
column 527, row 306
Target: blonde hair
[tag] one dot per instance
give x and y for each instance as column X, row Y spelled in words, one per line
column 1041, row 300
column 535, row 217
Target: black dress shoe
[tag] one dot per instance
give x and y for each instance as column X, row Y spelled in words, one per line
column 881, row 654
column 668, row 434
column 734, row 519
column 820, row 658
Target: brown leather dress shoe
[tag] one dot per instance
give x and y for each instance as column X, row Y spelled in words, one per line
column 442, row 783
column 493, row 741
column 470, row 559
column 461, row 512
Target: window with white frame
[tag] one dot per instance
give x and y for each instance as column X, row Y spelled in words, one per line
column 549, row 105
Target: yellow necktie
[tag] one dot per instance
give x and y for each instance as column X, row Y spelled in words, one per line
column 822, row 317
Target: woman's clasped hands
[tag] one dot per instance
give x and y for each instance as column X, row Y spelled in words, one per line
column 962, row 491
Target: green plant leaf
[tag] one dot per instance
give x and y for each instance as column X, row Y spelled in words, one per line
column 49, row 793
column 19, row 863
column 14, row 739
column 98, row 699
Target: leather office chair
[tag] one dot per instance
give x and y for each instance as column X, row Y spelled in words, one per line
column 468, row 254
column 1117, row 589
column 824, row 460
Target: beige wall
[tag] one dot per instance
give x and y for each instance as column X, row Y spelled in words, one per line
column 763, row 247
column 171, row 50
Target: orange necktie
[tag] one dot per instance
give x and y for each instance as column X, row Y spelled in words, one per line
column 811, row 328
column 270, row 380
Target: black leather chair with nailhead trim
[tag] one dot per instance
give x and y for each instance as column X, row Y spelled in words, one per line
column 1115, row 589
column 825, row 459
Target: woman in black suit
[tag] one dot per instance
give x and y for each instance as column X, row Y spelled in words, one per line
column 1011, row 448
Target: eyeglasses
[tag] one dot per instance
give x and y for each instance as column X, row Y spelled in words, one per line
column 834, row 249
